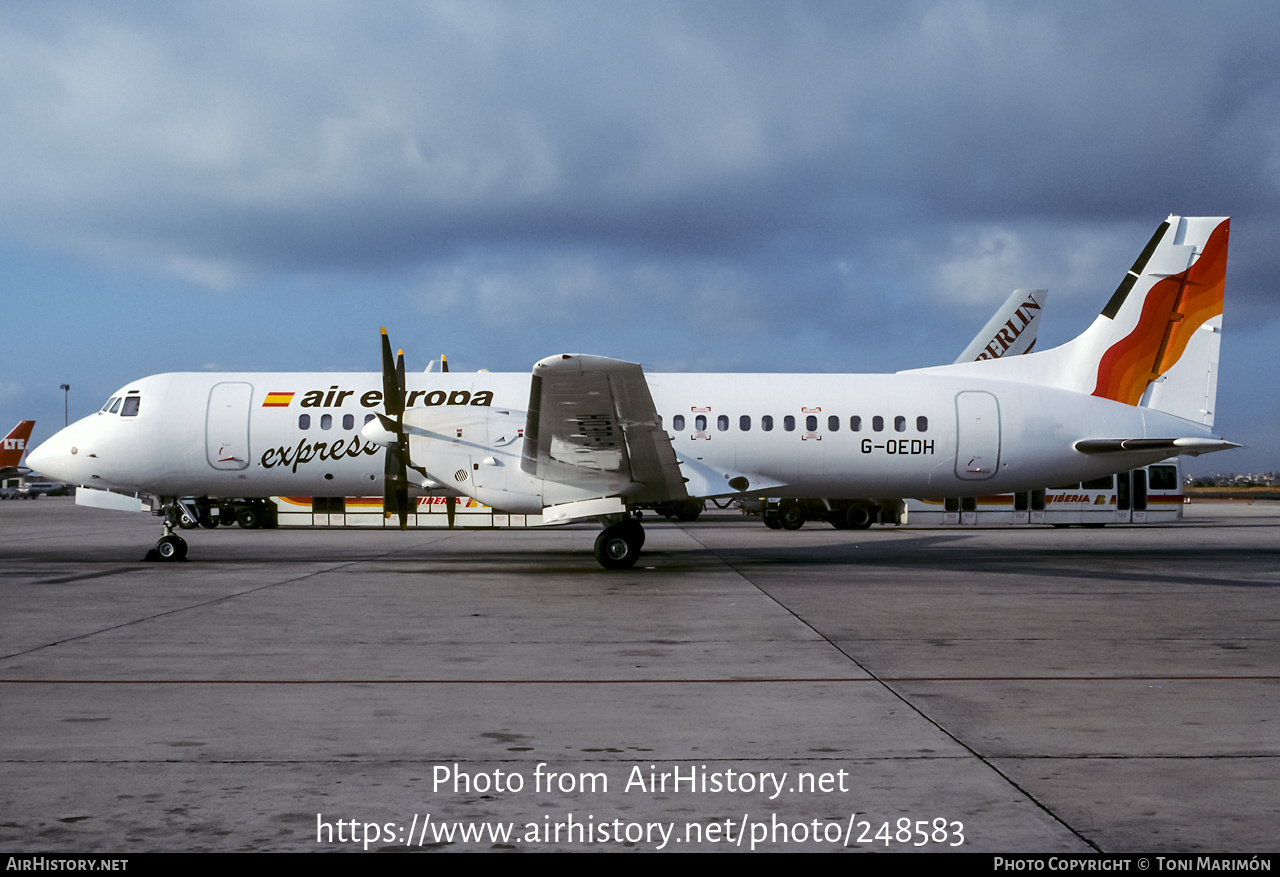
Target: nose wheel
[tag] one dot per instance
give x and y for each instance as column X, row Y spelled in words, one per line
column 170, row 546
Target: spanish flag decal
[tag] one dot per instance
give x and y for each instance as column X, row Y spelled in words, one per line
column 277, row 400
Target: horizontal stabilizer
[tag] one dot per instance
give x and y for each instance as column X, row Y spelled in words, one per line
column 1192, row 447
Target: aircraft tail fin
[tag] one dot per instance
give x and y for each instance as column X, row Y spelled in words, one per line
column 1155, row 344
column 1011, row 331
column 14, row 445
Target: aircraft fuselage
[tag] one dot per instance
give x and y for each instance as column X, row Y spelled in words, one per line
column 847, row 436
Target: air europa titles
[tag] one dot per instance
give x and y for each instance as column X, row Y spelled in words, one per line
column 353, row 445
column 335, row 397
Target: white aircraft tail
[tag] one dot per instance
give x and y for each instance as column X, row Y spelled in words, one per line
column 1011, row 331
column 1156, row 342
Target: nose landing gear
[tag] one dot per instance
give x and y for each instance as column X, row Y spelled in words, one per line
column 170, row 546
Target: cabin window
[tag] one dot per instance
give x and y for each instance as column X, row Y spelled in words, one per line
column 744, row 423
column 677, row 423
column 833, row 423
column 877, row 423
column 304, row 421
column 789, row 423
column 369, row 417
column 326, row 421
column 130, row 408
column 922, row 424
column 722, row 422
column 700, row 423
column 766, row 423
column 348, row 421
column 1163, row 478
column 899, row 424
column 855, row 423
column 811, row 423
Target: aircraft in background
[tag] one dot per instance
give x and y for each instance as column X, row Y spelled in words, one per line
column 588, row 437
column 13, row 446
column 15, row 479
column 1012, row 330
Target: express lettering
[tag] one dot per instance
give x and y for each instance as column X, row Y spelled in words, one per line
column 307, row 451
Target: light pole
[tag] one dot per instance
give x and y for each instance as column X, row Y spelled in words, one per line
column 66, row 416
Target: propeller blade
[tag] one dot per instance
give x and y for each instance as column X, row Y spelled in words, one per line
column 395, row 490
column 400, row 378
column 392, row 390
column 402, row 503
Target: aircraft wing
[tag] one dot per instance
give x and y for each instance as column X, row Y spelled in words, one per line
column 592, row 421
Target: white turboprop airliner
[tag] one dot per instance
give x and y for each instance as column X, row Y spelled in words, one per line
column 587, row 437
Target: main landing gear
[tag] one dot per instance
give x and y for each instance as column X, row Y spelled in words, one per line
column 618, row 546
column 171, row 546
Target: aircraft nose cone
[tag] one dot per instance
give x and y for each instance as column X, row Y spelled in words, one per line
column 43, row 459
column 55, row 457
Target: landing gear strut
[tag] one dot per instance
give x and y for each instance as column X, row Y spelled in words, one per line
column 618, row 545
column 171, row 546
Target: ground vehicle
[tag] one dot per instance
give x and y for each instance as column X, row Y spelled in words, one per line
column 1147, row 495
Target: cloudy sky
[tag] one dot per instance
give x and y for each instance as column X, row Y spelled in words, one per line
column 704, row 186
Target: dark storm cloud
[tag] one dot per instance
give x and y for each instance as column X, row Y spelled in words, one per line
column 278, row 135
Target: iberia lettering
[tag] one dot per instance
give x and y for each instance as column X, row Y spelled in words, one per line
column 307, row 451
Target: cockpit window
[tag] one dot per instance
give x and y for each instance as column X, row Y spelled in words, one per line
column 110, row 402
column 130, row 408
column 115, row 405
